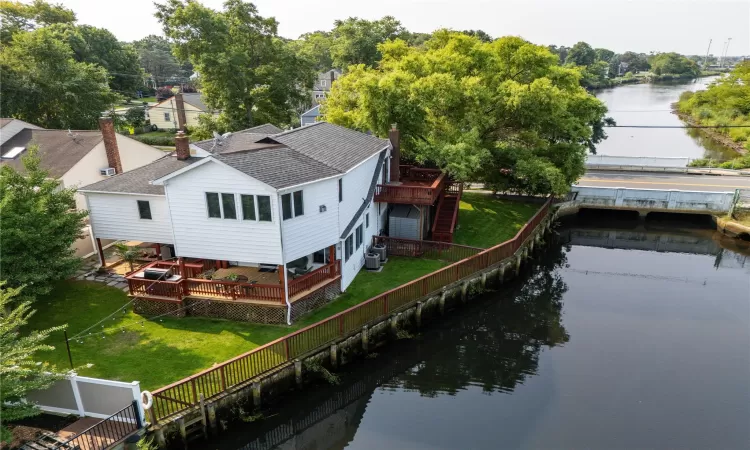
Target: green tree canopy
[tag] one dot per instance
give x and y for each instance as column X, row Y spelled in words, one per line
column 480, row 34
column 245, row 69
column 674, row 64
column 503, row 112
column 561, row 52
column 156, row 58
column 637, row 62
column 355, row 41
column 101, row 47
column 40, row 225
column 316, row 48
column 581, row 54
column 44, row 84
column 20, row 370
column 19, row 17
column 603, row 54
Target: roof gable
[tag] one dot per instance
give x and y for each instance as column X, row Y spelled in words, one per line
column 59, row 150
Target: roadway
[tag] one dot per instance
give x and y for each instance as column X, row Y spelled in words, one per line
column 665, row 181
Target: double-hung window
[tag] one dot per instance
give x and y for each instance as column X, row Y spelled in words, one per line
column 144, row 209
column 221, row 205
column 292, row 205
column 256, row 207
column 348, row 247
column 359, row 236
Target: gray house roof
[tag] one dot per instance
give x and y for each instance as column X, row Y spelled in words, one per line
column 333, row 145
column 239, row 139
column 138, row 181
column 59, row 150
column 196, row 100
column 312, row 112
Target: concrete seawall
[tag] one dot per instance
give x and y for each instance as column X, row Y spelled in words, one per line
column 649, row 200
column 296, row 375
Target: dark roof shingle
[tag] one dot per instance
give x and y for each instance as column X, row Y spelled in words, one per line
column 138, row 181
column 58, row 150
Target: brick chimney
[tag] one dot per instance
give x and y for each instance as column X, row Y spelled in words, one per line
column 395, row 137
column 110, row 143
column 181, row 118
column 182, row 146
column 333, row 78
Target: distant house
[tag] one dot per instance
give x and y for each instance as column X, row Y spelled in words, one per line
column 164, row 113
column 78, row 158
column 310, row 116
column 323, row 84
column 11, row 127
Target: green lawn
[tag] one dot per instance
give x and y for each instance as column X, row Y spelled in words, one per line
column 158, row 133
column 165, row 350
column 484, row 221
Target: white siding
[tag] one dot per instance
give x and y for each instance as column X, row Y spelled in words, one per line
column 199, row 236
column 350, row 269
column 314, row 230
column 156, row 114
column 356, row 185
column 115, row 216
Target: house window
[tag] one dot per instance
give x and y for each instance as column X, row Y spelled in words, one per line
column 248, row 207
column 348, row 247
column 359, row 236
column 229, row 206
column 166, row 117
column 264, row 208
column 341, row 190
column 144, row 209
column 299, row 206
column 292, row 205
column 367, row 220
column 323, row 83
column 214, row 207
column 286, row 206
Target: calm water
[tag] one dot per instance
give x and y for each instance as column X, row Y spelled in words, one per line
column 621, row 336
column 649, row 104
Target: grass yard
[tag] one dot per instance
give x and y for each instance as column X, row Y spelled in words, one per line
column 484, row 221
column 164, row 350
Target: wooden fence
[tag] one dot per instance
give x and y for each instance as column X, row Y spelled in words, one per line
column 425, row 249
column 183, row 394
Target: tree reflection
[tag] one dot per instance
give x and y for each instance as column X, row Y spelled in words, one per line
column 497, row 344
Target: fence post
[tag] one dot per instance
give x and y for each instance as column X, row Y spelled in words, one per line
column 136, row 386
column 137, row 413
column 77, row 395
column 341, row 325
column 223, row 378
column 195, row 392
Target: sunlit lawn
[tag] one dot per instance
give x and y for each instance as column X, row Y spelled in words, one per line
column 484, row 221
column 158, row 352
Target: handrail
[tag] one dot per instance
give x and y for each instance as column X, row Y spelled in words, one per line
column 113, row 428
column 454, row 220
column 183, row 394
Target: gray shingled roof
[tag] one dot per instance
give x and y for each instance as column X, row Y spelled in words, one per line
column 138, row 181
column 196, row 100
column 239, row 140
column 277, row 166
column 58, row 151
column 266, row 128
column 332, row 145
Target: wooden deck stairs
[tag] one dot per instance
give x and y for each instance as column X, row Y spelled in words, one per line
column 446, row 215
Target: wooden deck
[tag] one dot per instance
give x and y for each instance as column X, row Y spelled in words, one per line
column 416, row 187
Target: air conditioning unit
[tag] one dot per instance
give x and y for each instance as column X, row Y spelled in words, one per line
column 380, row 250
column 372, row 261
column 107, row 172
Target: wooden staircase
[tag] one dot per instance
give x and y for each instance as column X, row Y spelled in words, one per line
column 446, row 215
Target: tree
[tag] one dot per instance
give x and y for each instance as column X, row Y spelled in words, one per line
column 315, row 47
column 20, row 17
column 156, row 58
column 355, row 41
column 43, row 83
column 40, row 225
column 561, row 52
column 20, row 371
column 127, row 253
column 581, row 55
column 415, row 39
column 636, row 62
column 480, row 34
column 246, row 70
column 101, row 47
column 502, row 112
column 135, row 116
column 603, row 54
column 674, row 64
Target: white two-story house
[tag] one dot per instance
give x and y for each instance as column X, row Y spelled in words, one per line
column 274, row 217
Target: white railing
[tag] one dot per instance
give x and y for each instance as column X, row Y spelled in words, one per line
column 638, row 161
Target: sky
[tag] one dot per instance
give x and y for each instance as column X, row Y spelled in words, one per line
column 683, row 26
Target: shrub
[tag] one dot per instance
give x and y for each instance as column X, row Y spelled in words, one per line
column 167, row 141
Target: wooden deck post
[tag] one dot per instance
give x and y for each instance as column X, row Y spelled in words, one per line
column 101, row 252
column 282, row 281
column 331, row 254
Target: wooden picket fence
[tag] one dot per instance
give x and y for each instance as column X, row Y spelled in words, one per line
column 181, row 395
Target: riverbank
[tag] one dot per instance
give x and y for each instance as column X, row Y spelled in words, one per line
column 712, row 133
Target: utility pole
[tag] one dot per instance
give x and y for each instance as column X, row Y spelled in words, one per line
column 726, row 51
column 705, row 61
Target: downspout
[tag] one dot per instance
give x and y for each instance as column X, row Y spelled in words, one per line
column 283, row 261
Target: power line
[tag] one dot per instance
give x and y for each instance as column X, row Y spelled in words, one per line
column 677, row 126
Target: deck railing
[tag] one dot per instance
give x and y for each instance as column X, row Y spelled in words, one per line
column 410, row 194
column 234, row 290
column 153, row 288
column 107, row 432
column 310, row 280
column 183, row 394
column 425, row 249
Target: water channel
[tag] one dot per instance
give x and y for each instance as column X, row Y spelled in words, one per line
column 622, row 334
column 649, row 104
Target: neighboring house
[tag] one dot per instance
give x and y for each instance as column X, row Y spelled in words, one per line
column 310, row 116
column 11, row 127
column 323, row 84
column 164, row 113
column 78, row 158
column 289, row 202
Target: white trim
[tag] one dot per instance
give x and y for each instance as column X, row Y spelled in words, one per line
column 284, row 189
column 136, row 386
column 122, row 384
column 205, row 160
column 54, row 409
column 171, row 223
column 86, row 191
column 77, row 395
